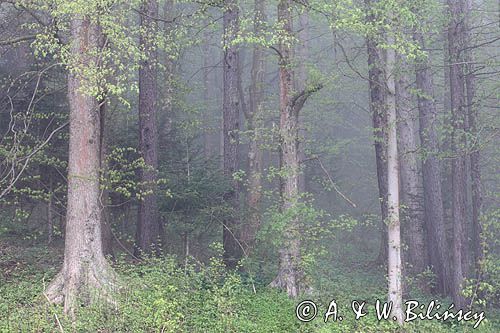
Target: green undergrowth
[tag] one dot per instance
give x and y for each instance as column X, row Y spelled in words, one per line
column 163, row 295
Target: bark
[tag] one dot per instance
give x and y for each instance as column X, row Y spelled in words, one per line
column 301, row 81
column 231, row 113
column 148, row 226
column 475, row 157
column 411, row 187
column 379, row 122
column 86, row 275
column 393, row 226
column 254, row 124
column 431, row 174
column 459, row 177
column 289, row 274
column 104, row 199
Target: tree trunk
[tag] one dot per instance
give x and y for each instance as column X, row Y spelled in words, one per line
column 459, row 179
column 104, row 199
column 148, row 226
column 411, row 195
column 393, row 226
column 288, row 274
column 431, row 173
column 86, row 275
column 254, row 124
column 301, row 82
column 379, row 121
column 475, row 157
column 231, row 114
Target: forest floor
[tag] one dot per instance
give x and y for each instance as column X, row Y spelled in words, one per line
column 163, row 296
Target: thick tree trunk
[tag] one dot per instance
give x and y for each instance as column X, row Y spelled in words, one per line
column 148, row 225
column 393, row 227
column 231, row 114
column 431, row 172
column 288, row 274
column 459, row 177
column 86, row 275
column 254, row 122
column 411, row 187
column 104, row 200
column 379, row 121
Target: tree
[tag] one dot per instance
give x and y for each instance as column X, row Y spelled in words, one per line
column 231, row 113
column 456, row 35
column 393, row 223
column 254, row 124
column 148, row 224
column 411, row 186
column 379, row 121
column 291, row 102
column 86, row 275
column 431, row 172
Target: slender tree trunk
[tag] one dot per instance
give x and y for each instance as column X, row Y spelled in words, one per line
column 459, row 177
column 379, row 121
column 431, row 173
column 475, row 157
column 411, row 187
column 86, row 275
column 231, row 113
column 393, row 226
column 148, row 225
column 254, row 124
column 301, row 82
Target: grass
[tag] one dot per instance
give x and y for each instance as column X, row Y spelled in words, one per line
column 159, row 295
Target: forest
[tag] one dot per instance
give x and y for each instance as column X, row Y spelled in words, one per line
column 249, row 166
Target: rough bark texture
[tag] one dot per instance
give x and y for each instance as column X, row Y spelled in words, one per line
column 379, row 121
column 104, row 199
column 148, row 226
column 288, row 275
column 431, row 173
column 393, row 227
column 85, row 276
column 231, row 114
column 254, row 122
column 459, row 177
column 411, row 187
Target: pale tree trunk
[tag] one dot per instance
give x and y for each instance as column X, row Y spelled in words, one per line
column 289, row 274
column 393, row 225
column 148, row 226
column 231, row 113
column 459, row 177
column 254, row 124
column 86, row 275
column 411, row 187
column 431, row 173
column 379, row 123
